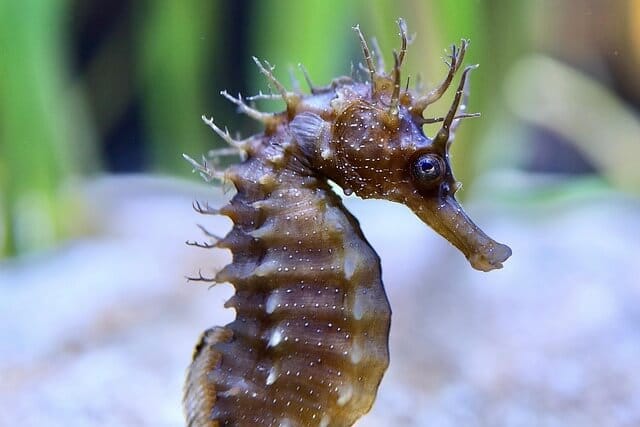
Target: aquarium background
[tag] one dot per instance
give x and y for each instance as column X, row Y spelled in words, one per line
column 100, row 99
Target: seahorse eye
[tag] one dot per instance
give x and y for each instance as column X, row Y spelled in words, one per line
column 427, row 168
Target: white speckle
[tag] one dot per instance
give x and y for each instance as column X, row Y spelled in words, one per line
column 286, row 422
column 262, row 232
column 324, row 422
column 266, row 268
column 264, row 179
column 276, row 158
column 276, row 338
column 350, row 262
column 345, row 395
column 356, row 351
column 232, row 392
column 273, row 374
column 359, row 306
column 272, row 303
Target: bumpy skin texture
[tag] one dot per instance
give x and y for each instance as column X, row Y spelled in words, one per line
column 309, row 344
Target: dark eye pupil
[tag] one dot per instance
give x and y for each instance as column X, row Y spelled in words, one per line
column 426, row 165
column 427, row 168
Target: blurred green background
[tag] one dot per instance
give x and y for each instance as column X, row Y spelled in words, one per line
column 111, row 87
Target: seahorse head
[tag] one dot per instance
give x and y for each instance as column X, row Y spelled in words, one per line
column 375, row 146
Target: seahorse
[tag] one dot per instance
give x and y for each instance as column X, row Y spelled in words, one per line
column 309, row 344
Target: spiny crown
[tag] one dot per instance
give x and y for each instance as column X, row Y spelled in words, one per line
column 379, row 148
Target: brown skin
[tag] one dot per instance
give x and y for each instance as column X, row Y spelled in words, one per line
column 378, row 154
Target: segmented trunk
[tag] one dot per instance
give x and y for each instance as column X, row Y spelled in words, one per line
column 309, row 344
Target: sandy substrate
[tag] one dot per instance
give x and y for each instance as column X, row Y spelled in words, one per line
column 99, row 332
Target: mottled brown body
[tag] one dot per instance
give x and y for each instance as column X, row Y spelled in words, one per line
column 309, row 344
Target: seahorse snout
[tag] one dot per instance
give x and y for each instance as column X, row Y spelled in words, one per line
column 490, row 257
column 447, row 218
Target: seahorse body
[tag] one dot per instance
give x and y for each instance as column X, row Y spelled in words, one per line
column 309, row 344
column 312, row 316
